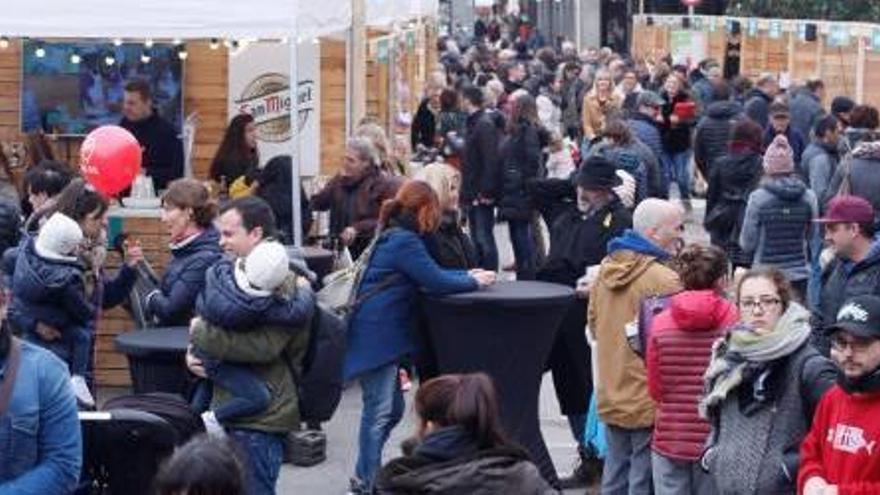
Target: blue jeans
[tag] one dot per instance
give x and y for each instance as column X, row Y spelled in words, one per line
column 79, row 341
column 676, row 168
column 523, row 248
column 261, row 455
column 627, row 469
column 250, row 394
column 814, row 287
column 383, row 409
column 481, row 219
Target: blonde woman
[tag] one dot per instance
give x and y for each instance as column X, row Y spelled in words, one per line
column 599, row 103
column 376, row 135
column 448, row 245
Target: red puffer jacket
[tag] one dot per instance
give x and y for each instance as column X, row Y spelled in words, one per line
column 679, row 349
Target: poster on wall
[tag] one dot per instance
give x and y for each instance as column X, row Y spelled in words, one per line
column 259, row 85
column 687, row 47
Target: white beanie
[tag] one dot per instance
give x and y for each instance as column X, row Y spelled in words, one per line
column 263, row 270
column 58, row 238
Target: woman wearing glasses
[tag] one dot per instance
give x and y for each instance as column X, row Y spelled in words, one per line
column 763, row 383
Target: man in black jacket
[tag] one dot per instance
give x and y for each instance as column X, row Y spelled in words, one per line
column 713, row 130
column 849, row 229
column 757, row 106
column 481, row 176
column 578, row 239
column 159, row 140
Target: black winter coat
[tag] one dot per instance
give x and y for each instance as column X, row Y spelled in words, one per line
column 276, row 188
column 521, row 160
column 10, row 225
column 424, row 126
column 730, row 183
column 163, row 149
column 843, row 280
column 676, row 137
column 183, row 280
column 757, row 107
column 579, row 240
column 450, row 246
column 481, row 170
column 448, row 462
column 222, row 303
column 713, row 133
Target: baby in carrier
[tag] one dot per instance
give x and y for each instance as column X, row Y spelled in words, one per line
column 239, row 296
column 48, row 287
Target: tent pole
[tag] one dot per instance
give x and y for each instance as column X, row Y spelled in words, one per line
column 295, row 155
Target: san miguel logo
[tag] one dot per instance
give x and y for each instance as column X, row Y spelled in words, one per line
column 267, row 98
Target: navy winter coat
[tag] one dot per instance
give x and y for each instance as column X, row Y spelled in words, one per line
column 383, row 327
column 49, row 291
column 223, row 304
column 184, row 278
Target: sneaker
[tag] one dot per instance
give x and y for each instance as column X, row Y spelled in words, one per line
column 81, row 391
column 212, row 426
column 356, row 487
column 405, row 382
column 587, row 472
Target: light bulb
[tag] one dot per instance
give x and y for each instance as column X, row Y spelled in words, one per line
column 40, row 52
column 117, row 42
column 215, row 44
column 177, row 41
column 75, row 58
column 148, row 43
column 145, row 58
column 182, row 54
column 109, row 60
column 4, row 42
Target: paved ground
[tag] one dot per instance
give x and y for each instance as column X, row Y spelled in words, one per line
column 331, row 477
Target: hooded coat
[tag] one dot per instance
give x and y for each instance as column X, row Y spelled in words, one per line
column 449, row 462
column 184, row 278
column 863, row 169
column 224, row 304
column 777, row 225
column 679, row 350
column 631, row 271
column 730, row 184
column 757, row 107
column 713, row 133
column 818, row 165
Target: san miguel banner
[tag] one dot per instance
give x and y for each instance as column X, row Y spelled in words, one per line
column 259, row 84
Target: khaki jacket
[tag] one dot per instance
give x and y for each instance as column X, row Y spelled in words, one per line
column 596, row 113
column 625, row 278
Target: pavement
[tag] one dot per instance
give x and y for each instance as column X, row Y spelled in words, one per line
column 331, row 477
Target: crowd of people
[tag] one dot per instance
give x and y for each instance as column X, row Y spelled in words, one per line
column 749, row 365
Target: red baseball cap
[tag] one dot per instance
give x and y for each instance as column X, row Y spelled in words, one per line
column 848, row 209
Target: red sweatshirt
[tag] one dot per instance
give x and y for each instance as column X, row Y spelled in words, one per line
column 843, row 446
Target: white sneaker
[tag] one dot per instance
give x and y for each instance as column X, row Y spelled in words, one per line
column 81, row 391
column 212, row 426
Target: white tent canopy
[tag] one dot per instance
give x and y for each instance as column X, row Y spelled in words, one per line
column 386, row 12
column 173, row 18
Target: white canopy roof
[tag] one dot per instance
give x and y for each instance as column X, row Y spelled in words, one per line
column 196, row 18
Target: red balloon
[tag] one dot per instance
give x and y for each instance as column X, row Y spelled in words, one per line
column 110, row 159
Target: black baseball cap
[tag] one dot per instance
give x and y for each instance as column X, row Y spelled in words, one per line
column 859, row 316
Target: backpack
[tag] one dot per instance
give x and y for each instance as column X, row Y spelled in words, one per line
column 650, row 307
column 172, row 408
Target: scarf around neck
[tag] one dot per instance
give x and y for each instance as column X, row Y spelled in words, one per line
column 743, row 347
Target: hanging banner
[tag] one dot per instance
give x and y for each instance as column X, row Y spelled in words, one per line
column 802, row 31
column 838, row 36
column 775, row 30
column 713, row 25
column 259, row 84
column 752, row 27
column 687, row 47
column 382, row 51
column 875, row 40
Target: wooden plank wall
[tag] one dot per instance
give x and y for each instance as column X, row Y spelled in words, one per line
column 206, row 73
column 333, row 105
column 838, row 67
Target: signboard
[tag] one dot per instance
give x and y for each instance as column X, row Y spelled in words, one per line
column 688, row 47
column 875, row 40
column 838, row 36
column 259, row 85
column 775, row 30
column 752, row 27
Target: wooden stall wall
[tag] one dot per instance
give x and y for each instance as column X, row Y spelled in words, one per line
column 838, row 67
column 206, row 75
column 333, row 105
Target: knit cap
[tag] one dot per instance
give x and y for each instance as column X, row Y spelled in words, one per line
column 263, row 270
column 58, row 238
column 779, row 158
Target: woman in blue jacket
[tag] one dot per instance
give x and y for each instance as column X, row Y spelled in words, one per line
column 382, row 330
column 188, row 212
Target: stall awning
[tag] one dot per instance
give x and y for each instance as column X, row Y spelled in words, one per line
column 387, row 12
column 173, row 18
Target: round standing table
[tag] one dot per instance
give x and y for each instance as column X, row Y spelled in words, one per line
column 318, row 259
column 506, row 331
column 156, row 359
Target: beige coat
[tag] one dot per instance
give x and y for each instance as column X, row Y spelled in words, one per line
column 625, row 278
column 596, row 112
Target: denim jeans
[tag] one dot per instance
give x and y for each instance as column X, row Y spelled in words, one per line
column 672, row 477
column 250, row 394
column 261, row 455
column 383, row 409
column 523, row 248
column 676, row 168
column 814, row 287
column 627, row 468
column 481, row 220
column 79, row 341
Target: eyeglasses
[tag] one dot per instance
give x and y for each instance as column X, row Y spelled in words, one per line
column 840, row 342
column 764, row 303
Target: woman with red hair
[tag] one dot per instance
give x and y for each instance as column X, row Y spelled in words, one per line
column 382, row 330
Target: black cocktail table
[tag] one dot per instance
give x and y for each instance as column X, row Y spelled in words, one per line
column 156, row 359
column 506, row 331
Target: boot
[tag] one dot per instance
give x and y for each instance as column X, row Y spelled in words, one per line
column 587, row 471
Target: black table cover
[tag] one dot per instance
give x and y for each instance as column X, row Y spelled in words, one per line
column 319, row 260
column 156, row 359
column 506, row 331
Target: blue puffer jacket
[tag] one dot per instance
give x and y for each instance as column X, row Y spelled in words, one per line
column 223, row 304
column 382, row 329
column 47, row 290
column 184, row 279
